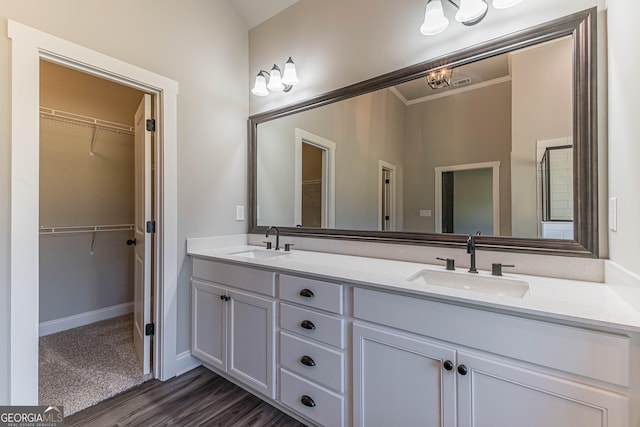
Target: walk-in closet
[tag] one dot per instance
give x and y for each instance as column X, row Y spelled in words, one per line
column 86, row 263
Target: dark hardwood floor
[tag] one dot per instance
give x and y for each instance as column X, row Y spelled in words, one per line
column 197, row 398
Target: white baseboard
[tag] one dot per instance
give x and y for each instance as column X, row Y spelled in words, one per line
column 58, row 325
column 186, row 362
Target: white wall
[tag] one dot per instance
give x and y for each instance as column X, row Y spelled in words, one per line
column 202, row 44
column 624, row 130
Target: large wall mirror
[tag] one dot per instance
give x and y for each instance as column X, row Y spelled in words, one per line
column 499, row 138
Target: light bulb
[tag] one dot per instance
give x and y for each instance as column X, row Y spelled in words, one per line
column 434, row 20
column 503, row 4
column 260, row 87
column 471, row 11
column 290, row 77
column 275, row 80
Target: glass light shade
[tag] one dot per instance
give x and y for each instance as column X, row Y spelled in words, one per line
column 260, row 87
column 434, row 20
column 290, row 77
column 275, row 80
column 503, row 4
column 470, row 10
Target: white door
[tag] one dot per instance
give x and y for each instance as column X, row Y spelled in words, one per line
column 250, row 341
column 142, row 273
column 399, row 380
column 493, row 393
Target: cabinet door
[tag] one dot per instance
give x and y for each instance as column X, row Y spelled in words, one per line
column 251, row 341
column 209, row 328
column 498, row 394
column 400, row 380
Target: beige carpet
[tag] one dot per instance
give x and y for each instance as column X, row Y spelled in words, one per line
column 83, row 366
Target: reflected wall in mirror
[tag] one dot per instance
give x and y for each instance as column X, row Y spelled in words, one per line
column 508, row 149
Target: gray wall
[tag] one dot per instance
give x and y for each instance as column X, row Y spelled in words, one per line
column 365, row 129
column 624, row 130
column 542, row 109
column 469, row 127
column 79, row 189
column 203, row 45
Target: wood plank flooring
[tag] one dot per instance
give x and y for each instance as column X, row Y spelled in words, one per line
column 197, row 398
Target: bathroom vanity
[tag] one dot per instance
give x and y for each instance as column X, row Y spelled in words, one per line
column 339, row 340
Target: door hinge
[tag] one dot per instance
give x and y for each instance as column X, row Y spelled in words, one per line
column 387, row 218
column 151, row 125
column 387, row 181
column 149, row 329
column 151, row 226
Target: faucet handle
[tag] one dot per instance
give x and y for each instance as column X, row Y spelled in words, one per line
column 451, row 263
column 268, row 244
column 496, row 268
column 287, row 247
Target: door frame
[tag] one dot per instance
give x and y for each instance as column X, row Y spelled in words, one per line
column 495, row 166
column 28, row 47
column 382, row 165
column 328, row 172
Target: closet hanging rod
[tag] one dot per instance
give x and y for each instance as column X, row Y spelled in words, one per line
column 85, row 229
column 63, row 116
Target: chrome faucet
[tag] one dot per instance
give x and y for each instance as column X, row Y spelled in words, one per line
column 273, row 227
column 471, row 250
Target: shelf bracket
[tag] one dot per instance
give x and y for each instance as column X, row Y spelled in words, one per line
column 95, row 138
column 92, row 252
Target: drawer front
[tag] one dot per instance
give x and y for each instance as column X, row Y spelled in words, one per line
column 312, row 293
column 249, row 279
column 329, row 406
column 324, row 328
column 316, row 362
column 547, row 344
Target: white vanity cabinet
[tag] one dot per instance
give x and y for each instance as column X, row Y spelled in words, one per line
column 234, row 330
column 312, row 349
column 442, row 365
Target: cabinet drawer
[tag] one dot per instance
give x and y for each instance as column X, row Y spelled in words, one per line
column 327, row 364
column 249, row 279
column 327, row 329
column 329, row 406
column 570, row 349
column 322, row 295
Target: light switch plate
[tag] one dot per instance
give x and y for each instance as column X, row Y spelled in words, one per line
column 425, row 212
column 613, row 213
column 239, row 213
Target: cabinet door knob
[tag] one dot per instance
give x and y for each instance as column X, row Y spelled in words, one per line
column 222, row 297
column 448, row 365
column 462, row 370
column 307, row 324
column 307, row 293
column 307, row 401
column 307, row 361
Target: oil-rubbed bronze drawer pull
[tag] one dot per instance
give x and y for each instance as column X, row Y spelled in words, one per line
column 307, row 401
column 307, row 293
column 307, row 324
column 307, row 361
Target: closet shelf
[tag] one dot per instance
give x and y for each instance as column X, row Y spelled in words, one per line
column 95, row 229
column 78, row 119
column 85, row 229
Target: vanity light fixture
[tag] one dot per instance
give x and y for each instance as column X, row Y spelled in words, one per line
column 470, row 12
column 275, row 81
column 440, row 78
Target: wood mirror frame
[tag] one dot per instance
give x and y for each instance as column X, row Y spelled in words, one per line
column 582, row 27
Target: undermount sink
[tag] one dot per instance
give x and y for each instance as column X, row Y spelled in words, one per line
column 260, row 254
column 499, row 286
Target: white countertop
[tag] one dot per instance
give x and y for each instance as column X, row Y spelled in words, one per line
column 576, row 302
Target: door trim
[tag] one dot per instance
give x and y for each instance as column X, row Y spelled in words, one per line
column 495, row 166
column 28, row 47
column 329, row 171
